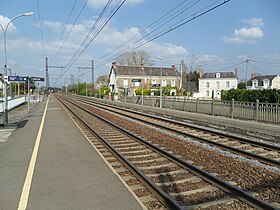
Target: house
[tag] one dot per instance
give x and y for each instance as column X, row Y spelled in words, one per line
column 126, row 79
column 263, row 82
column 212, row 84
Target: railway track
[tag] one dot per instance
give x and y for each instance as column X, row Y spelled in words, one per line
column 177, row 183
column 256, row 150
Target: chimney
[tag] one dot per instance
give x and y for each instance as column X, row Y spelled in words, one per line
column 200, row 73
column 142, row 66
column 252, row 75
column 236, row 71
column 114, row 64
column 174, row 67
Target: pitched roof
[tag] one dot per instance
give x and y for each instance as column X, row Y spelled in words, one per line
column 260, row 79
column 145, row 71
column 222, row 75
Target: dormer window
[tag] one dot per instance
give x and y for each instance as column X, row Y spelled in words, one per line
column 255, row 83
column 265, row 83
column 218, row 75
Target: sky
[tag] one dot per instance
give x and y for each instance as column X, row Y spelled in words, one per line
column 71, row 33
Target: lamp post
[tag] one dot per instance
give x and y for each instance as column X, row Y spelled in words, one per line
column 160, row 90
column 5, row 118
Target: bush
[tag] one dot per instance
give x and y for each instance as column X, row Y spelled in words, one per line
column 264, row 96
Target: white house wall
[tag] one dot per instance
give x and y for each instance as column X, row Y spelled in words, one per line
column 276, row 83
column 213, row 86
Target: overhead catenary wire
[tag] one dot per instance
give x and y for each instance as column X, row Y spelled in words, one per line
column 152, row 37
column 54, row 54
column 190, row 18
column 176, row 11
column 81, row 11
column 88, row 36
column 180, row 23
column 83, row 47
column 41, row 30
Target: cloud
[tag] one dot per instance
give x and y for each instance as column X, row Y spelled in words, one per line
column 53, row 25
column 109, row 39
column 96, row 4
column 254, row 22
column 4, row 21
column 247, row 35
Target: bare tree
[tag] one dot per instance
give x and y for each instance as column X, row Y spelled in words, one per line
column 135, row 58
column 103, row 80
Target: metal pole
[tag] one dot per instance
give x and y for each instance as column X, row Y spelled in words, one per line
column 5, row 84
column 92, row 74
column 160, row 91
column 28, row 94
column 47, row 76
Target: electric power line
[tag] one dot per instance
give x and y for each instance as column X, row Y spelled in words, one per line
column 54, row 52
column 82, row 9
column 40, row 22
column 80, row 50
column 190, row 18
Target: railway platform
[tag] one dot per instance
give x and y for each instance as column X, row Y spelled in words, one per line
column 47, row 163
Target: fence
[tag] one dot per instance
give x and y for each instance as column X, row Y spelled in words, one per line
column 265, row 112
column 16, row 101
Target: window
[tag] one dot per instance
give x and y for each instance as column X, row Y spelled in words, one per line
column 154, row 81
column 265, row 83
column 207, row 84
column 227, row 85
column 218, row 75
column 173, row 83
column 137, row 84
column 217, row 84
column 207, row 93
column 255, row 83
column 163, row 83
column 125, row 83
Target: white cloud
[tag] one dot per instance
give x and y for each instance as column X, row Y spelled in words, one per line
column 53, row 25
column 247, row 35
column 4, row 21
column 109, row 39
column 254, row 22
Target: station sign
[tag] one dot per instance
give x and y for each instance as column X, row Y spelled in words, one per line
column 39, row 79
column 17, row 79
column 136, row 80
column 155, row 85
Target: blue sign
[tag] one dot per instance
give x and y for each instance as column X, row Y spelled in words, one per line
column 40, row 79
column 17, row 79
column 155, row 85
column 136, row 80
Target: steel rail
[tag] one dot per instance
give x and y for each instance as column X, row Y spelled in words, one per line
column 250, row 155
column 244, row 140
column 166, row 199
column 232, row 190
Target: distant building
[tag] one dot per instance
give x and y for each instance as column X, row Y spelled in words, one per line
column 263, row 82
column 130, row 78
column 212, row 84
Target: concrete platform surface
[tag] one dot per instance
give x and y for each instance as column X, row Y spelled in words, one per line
column 68, row 173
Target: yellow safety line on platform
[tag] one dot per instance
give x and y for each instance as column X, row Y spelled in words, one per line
column 27, row 184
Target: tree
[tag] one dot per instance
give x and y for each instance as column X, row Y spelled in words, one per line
column 105, row 90
column 135, row 58
column 103, row 80
column 242, row 85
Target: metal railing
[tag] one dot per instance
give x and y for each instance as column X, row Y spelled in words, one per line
column 17, row 101
column 264, row 112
